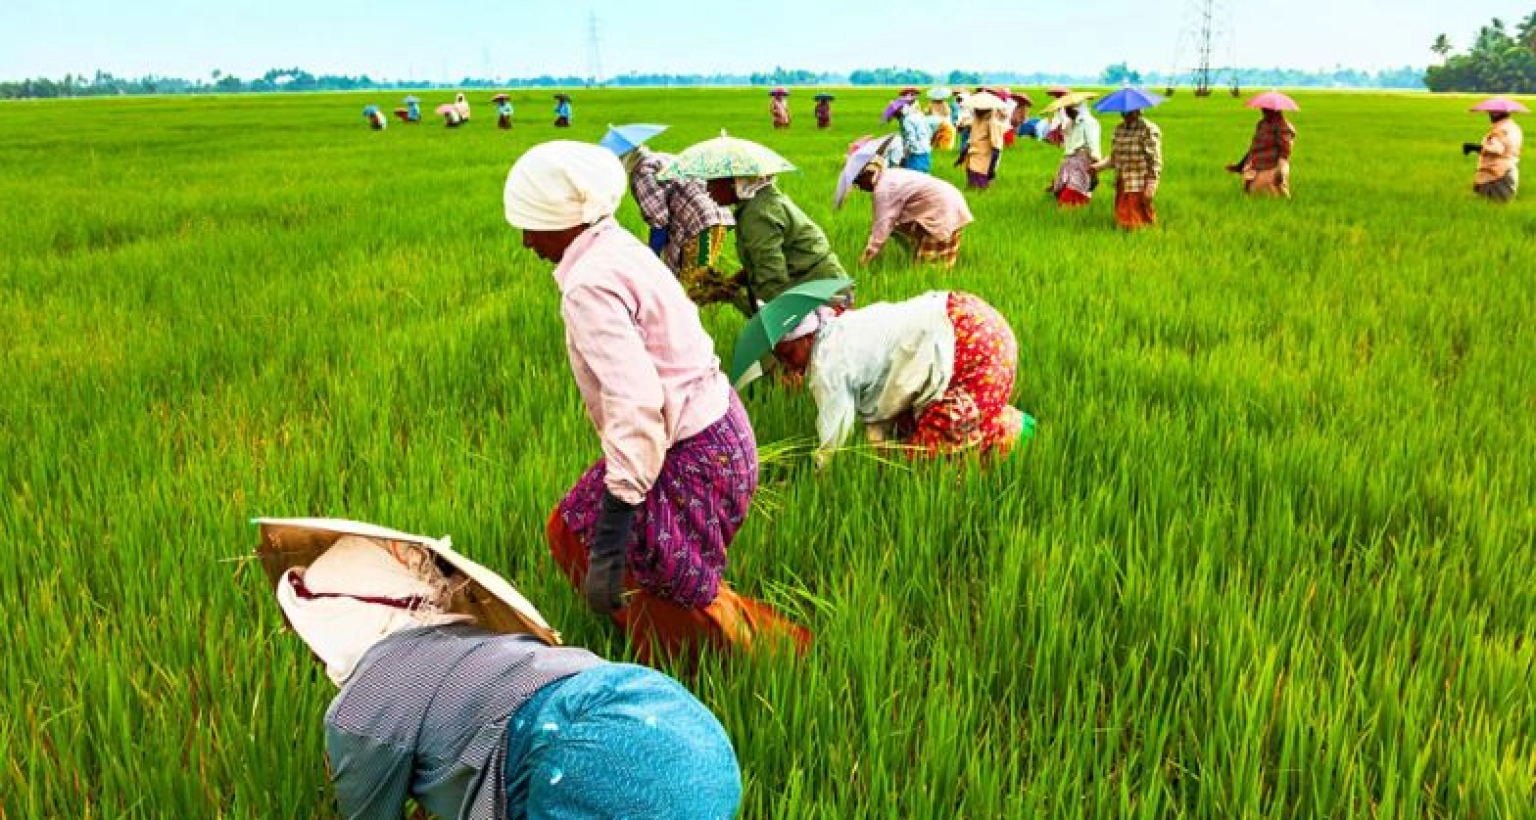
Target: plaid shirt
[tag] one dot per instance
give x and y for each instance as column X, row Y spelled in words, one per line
column 681, row 206
column 1136, row 154
column 1271, row 143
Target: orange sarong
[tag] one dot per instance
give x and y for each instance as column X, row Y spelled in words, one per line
column 1133, row 210
column 657, row 627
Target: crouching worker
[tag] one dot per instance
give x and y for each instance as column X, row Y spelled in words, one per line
column 470, row 722
column 932, row 374
column 644, row 532
column 375, row 117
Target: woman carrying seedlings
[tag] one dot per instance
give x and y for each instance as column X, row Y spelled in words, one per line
column 932, row 373
column 779, row 245
column 471, row 723
column 644, row 532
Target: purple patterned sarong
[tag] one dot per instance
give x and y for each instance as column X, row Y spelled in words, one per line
column 677, row 547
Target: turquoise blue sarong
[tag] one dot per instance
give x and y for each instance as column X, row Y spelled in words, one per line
column 619, row 741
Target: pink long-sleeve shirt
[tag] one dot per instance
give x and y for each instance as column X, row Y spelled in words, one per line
column 646, row 369
column 904, row 197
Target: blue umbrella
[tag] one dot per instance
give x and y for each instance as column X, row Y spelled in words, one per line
column 1128, row 99
column 370, row 110
column 621, row 139
column 411, row 98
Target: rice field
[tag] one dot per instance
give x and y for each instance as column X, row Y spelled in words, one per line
column 1269, row 555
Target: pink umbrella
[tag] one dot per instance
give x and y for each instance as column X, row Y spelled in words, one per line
column 446, row 107
column 1501, row 105
column 1273, row 101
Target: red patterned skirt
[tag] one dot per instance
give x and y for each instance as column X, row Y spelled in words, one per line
column 974, row 412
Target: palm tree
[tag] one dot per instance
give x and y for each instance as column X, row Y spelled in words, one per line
column 1442, row 47
column 1526, row 32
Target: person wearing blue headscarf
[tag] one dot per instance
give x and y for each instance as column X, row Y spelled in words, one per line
column 375, row 117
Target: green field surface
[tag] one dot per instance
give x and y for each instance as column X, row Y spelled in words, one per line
column 1271, row 554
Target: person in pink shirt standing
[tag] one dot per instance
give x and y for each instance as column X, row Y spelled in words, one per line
column 925, row 211
column 644, row 532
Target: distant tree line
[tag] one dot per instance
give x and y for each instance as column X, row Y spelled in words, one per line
column 1498, row 61
column 297, row 79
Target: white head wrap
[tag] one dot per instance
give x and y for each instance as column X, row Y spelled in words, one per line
column 562, row 184
column 341, row 628
column 747, row 187
column 810, row 324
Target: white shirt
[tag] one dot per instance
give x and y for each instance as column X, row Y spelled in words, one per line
column 1084, row 132
column 870, row 365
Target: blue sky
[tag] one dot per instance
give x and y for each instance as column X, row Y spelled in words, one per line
column 445, row 40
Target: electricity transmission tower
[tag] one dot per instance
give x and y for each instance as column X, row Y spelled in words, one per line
column 594, row 50
column 1209, row 25
column 1206, row 16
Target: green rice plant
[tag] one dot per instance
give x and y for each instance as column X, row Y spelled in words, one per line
column 1267, row 556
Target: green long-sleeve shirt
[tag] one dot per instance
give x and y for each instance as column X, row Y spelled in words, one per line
column 780, row 246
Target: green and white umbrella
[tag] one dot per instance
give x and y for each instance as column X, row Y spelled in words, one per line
column 725, row 157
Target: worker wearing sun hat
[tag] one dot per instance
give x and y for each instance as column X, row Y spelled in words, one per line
column 472, row 723
column 633, row 534
column 1498, row 155
column 687, row 229
column 927, row 212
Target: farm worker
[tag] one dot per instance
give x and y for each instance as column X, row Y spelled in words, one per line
column 938, row 106
column 927, row 212
column 687, row 228
column 943, row 132
column 1056, row 128
column 412, row 109
column 1136, row 155
column 644, row 532
column 472, row 723
column 461, row 103
column 824, row 110
column 779, row 245
column 1081, row 148
column 1498, row 158
column 778, row 108
column 916, row 135
column 375, row 118
column 1266, row 168
column 562, row 111
column 1020, row 112
column 984, row 149
column 963, row 120
column 503, row 111
column 933, row 373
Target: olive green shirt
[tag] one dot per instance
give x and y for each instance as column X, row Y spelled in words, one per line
column 780, row 247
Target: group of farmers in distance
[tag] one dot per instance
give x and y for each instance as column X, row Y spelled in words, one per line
column 987, row 120
column 474, row 723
